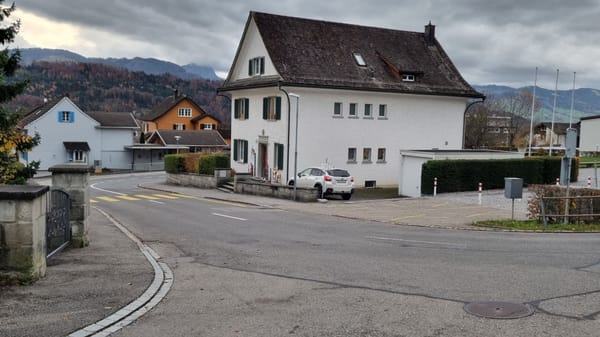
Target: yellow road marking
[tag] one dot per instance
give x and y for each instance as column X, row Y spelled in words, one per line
column 409, row 217
column 92, row 201
column 105, row 198
column 476, row 214
column 148, row 197
column 166, row 196
column 126, row 197
column 439, row 205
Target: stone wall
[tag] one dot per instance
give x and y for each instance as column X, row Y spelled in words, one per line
column 200, row 180
column 23, row 231
column 275, row 191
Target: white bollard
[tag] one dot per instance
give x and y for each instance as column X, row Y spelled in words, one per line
column 480, row 189
column 434, row 186
column 557, row 181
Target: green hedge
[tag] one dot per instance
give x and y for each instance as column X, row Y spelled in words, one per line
column 465, row 175
column 175, row 163
column 208, row 164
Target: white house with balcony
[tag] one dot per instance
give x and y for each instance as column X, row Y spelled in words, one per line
column 359, row 95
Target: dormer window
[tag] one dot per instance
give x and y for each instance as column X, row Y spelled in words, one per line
column 359, row 59
column 256, row 66
column 408, row 77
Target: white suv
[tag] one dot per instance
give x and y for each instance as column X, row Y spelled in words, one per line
column 326, row 181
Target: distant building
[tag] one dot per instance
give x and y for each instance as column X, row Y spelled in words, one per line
column 589, row 137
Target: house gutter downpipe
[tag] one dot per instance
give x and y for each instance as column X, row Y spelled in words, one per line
column 287, row 151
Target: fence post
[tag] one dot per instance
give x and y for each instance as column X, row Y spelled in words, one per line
column 543, row 209
column 434, row 186
column 589, row 182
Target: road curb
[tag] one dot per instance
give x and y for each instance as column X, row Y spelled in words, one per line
column 158, row 289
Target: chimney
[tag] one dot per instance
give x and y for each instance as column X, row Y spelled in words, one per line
column 175, row 94
column 430, row 34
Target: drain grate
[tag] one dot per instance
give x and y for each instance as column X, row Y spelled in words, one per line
column 499, row 310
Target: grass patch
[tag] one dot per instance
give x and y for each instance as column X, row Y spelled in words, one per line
column 534, row 225
column 588, row 159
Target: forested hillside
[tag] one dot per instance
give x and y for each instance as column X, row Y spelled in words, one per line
column 99, row 87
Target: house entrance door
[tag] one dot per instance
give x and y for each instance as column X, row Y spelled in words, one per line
column 263, row 160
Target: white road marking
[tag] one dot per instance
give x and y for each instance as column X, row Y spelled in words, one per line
column 107, row 191
column 417, row 241
column 229, row 217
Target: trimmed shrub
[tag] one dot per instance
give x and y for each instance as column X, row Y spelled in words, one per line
column 208, row 164
column 174, row 163
column 191, row 161
column 465, row 175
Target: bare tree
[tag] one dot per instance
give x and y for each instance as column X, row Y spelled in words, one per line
column 476, row 126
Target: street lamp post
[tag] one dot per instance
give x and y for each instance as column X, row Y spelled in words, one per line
column 177, row 138
column 296, row 143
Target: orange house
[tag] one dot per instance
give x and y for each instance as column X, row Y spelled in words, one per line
column 178, row 113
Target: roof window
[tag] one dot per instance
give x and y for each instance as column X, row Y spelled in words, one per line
column 359, row 59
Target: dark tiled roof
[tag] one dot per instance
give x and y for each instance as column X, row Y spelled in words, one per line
column 197, row 118
column 318, row 53
column 166, row 105
column 188, row 138
column 38, row 111
column 113, row 119
column 225, row 133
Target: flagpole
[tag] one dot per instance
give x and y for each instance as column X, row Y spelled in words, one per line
column 532, row 110
column 553, row 113
column 572, row 102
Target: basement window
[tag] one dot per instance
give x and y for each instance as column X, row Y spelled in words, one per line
column 359, row 59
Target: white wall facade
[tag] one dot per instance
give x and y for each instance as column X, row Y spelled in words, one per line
column 589, row 139
column 411, row 122
column 113, row 152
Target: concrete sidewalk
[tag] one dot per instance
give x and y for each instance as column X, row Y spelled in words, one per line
column 81, row 287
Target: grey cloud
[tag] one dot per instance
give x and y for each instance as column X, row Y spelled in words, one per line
column 489, row 41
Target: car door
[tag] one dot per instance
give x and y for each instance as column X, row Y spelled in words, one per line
column 303, row 179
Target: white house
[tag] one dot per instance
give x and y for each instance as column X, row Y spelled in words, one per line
column 70, row 135
column 589, row 134
column 360, row 96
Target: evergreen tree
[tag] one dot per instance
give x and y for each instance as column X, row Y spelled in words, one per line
column 13, row 140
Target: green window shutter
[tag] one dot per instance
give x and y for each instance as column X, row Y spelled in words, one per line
column 265, row 107
column 71, row 116
column 236, row 109
column 280, row 157
column 278, row 108
column 245, row 142
column 250, row 72
column 60, row 117
column 262, row 65
column 246, row 108
column 235, row 149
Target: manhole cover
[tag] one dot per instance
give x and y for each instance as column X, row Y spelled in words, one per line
column 499, row 310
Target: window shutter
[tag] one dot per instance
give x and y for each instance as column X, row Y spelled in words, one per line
column 280, row 157
column 60, row 116
column 71, row 116
column 278, row 108
column 245, row 151
column 265, row 107
column 250, row 72
column 236, row 143
column 183, row 127
column 236, row 109
column 246, row 107
column 262, row 65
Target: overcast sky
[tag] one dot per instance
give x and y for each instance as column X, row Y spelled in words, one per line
column 491, row 42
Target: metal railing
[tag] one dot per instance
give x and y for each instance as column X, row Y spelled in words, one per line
column 572, row 210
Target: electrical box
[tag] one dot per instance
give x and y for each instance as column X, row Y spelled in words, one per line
column 513, row 188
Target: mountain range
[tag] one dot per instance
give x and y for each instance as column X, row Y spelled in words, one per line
column 41, row 63
column 149, row 66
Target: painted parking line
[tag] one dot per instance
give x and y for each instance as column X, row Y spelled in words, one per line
column 230, row 217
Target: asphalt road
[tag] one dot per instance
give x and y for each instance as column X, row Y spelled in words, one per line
column 250, row 271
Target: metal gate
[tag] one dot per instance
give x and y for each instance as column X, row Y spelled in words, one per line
column 58, row 225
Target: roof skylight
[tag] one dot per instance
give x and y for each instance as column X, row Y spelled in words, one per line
column 359, row 59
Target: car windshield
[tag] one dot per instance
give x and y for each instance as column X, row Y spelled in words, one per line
column 338, row 173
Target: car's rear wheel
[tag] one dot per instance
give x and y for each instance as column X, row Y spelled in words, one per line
column 319, row 190
column 346, row 196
